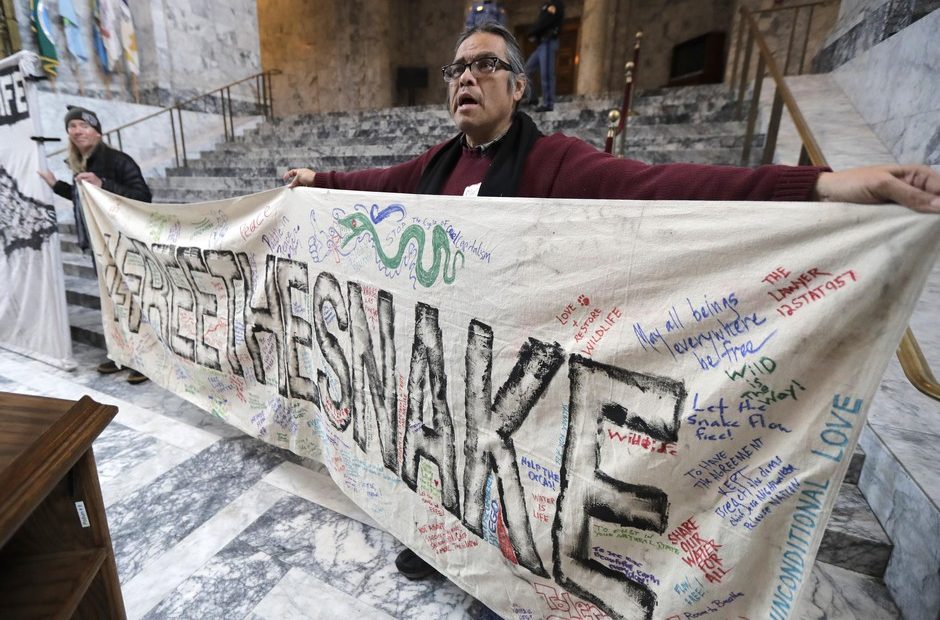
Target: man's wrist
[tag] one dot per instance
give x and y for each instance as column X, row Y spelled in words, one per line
column 821, row 191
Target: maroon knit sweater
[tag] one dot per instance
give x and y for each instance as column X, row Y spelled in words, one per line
column 559, row 166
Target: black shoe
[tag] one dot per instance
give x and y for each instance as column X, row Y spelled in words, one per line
column 108, row 368
column 544, row 108
column 411, row 566
column 137, row 377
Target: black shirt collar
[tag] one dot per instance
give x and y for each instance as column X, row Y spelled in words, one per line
column 487, row 148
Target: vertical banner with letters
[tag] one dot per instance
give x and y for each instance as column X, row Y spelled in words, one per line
column 572, row 409
column 33, row 316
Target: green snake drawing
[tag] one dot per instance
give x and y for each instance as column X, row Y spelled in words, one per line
column 358, row 223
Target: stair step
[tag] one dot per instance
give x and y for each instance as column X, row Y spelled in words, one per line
column 657, row 108
column 855, row 466
column 243, row 185
column 82, row 292
column 717, row 156
column 308, row 138
column 835, row 593
column 291, row 148
column 78, row 265
column 319, row 148
column 854, row 539
column 69, row 243
column 275, row 169
column 686, row 93
column 85, row 326
column 192, row 196
column 718, row 150
column 654, row 112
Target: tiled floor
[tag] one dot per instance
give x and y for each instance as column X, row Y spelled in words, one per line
column 209, row 523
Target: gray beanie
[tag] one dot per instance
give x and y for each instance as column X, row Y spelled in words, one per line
column 77, row 113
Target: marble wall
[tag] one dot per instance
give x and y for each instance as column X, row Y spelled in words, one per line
column 911, row 521
column 185, row 48
column 895, row 88
column 197, row 46
column 863, row 24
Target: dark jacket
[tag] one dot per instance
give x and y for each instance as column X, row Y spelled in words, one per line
column 119, row 174
column 550, row 19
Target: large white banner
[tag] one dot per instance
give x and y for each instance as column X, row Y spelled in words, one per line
column 572, row 409
column 33, row 316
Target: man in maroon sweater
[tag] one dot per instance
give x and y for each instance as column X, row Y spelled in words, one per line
column 500, row 152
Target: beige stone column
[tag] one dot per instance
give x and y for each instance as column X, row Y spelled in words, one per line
column 596, row 18
column 370, row 52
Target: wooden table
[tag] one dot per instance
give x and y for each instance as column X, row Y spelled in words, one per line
column 56, row 559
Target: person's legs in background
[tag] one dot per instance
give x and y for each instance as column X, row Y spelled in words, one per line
column 549, row 49
column 542, row 63
column 531, row 70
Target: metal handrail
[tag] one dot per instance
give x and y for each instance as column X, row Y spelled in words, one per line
column 613, row 121
column 794, row 7
column 782, row 97
column 914, row 364
column 787, row 8
column 263, row 96
column 630, row 70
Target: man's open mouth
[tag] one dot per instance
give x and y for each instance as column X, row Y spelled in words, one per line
column 466, row 99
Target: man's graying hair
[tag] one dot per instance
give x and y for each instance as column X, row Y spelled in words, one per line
column 513, row 52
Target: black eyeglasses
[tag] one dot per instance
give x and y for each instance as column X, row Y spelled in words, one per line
column 478, row 67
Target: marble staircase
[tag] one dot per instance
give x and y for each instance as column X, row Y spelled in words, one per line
column 690, row 124
column 693, row 124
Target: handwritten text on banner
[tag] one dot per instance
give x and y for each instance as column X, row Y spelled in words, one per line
column 574, row 410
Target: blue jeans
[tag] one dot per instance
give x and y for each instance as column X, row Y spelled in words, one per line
column 543, row 59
